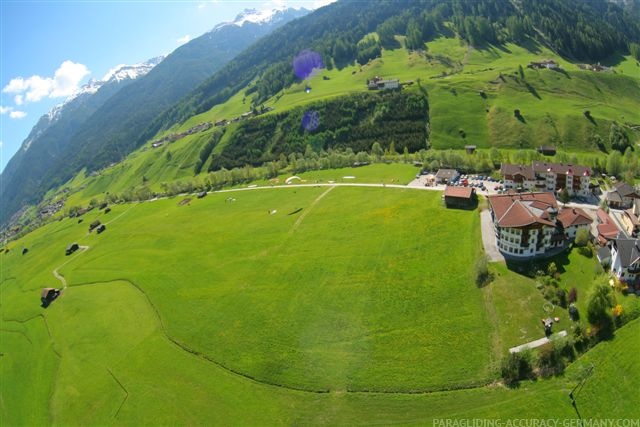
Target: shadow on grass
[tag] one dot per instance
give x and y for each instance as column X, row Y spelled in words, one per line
column 531, row 45
column 590, row 118
column 613, row 60
column 532, row 90
column 561, row 71
column 528, row 268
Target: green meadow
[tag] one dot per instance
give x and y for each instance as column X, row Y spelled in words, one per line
column 314, row 305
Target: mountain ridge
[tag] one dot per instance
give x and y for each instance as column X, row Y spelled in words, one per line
column 108, row 133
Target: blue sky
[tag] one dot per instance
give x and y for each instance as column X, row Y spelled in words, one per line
column 49, row 48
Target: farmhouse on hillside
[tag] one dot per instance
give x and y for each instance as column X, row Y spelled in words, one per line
column 71, row 248
column 48, row 295
column 459, row 197
column 622, row 196
column 545, row 63
column 530, row 224
column 378, row 83
column 542, row 176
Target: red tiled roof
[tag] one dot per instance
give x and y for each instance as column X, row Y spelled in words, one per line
column 632, row 217
column 460, row 192
column 573, row 216
column 608, row 231
column 519, row 210
column 603, row 217
column 512, row 170
column 561, row 168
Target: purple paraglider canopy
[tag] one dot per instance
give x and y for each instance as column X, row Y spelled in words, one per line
column 310, row 120
column 306, row 63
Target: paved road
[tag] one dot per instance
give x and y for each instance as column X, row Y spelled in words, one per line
column 536, row 343
column 489, row 237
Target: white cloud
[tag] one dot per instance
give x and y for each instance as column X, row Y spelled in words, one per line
column 64, row 83
column 5, row 110
column 17, row 114
column 184, row 39
column 67, row 79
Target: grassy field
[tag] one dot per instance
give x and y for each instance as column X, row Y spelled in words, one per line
column 218, row 311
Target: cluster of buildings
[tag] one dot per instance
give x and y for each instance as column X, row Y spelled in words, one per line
column 528, row 221
column 175, row 136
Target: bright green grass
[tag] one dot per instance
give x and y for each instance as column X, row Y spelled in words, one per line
column 321, row 298
column 518, row 307
column 118, row 365
column 375, row 173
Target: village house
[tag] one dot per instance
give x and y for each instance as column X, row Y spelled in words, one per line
column 378, row 83
column 607, row 229
column 530, row 224
column 622, row 196
column 625, row 259
column 459, row 197
column 572, row 219
column 542, row 176
column 631, row 221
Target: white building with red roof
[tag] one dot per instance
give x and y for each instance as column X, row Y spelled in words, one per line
column 530, row 224
column 543, row 176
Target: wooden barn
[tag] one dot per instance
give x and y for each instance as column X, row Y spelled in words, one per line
column 460, row 197
column 48, row 295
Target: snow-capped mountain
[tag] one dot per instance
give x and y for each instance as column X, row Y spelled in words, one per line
column 122, row 72
column 116, row 74
column 256, row 16
column 114, row 77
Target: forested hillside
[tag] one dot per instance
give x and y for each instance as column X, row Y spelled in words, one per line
column 587, row 31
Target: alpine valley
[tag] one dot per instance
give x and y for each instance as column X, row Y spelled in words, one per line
column 325, row 217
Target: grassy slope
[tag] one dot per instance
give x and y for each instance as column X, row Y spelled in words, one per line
column 552, row 104
column 114, row 346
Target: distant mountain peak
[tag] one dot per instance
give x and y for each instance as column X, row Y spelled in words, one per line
column 122, row 72
column 256, row 16
column 115, row 75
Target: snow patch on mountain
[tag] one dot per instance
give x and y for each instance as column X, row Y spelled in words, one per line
column 256, row 16
column 114, row 75
column 123, row 72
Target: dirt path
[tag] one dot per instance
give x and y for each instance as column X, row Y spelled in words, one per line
column 59, row 276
